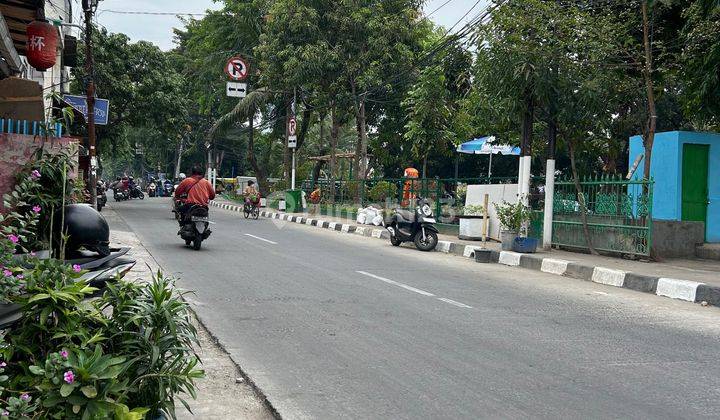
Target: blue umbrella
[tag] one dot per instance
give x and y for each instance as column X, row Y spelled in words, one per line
column 487, row 146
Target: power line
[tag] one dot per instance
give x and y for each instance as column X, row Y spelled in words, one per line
column 123, row 12
column 438, row 8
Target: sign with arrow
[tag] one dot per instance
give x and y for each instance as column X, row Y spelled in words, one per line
column 237, row 69
column 236, row 90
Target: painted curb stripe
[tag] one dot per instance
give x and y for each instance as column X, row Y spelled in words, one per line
column 469, row 251
column 510, row 258
column 554, row 266
column 609, row 276
column 677, row 289
column 443, row 246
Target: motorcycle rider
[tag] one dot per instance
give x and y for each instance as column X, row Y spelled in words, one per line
column 194, row 191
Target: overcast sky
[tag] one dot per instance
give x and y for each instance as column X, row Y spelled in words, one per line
column 158, row 28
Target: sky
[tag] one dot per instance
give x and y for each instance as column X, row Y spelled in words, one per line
column 158, row 28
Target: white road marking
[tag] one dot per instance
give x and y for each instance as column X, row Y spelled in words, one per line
column 456, row 303
column 404, row 286
column 261, row 239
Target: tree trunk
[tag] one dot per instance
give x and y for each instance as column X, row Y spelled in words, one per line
column 286, row 150
column 334, row 133
column 179, row 157
column 581, row 199
column 259, row 172
column 363, row 169
column 649, row 137
column 424, row 166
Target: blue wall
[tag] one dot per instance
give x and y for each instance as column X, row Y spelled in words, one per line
column 666, row 169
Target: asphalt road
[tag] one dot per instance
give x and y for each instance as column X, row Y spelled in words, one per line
column 332, row 325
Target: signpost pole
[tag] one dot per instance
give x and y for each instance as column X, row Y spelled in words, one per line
column 89, row 71
column 292, row 183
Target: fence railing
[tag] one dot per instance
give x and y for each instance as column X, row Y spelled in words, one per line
column 30, row 128
column 619, row 215
column 447, row 195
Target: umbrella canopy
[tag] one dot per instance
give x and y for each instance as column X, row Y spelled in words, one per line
column 486, row 146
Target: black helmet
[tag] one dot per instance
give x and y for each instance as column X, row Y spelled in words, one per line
column 86, row 228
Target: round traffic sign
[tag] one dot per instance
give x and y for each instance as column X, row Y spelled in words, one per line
column 292, row 126
column 237, row 69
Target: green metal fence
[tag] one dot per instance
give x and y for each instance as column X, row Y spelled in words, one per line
column 446, row 195
column 619, row 214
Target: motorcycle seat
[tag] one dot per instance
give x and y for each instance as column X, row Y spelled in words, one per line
column 404, row 215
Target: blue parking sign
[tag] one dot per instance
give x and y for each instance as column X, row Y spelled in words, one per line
column 102, row 107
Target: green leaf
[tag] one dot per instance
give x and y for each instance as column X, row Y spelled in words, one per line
column 66, row 389
column 89, row 391
column 36, row 370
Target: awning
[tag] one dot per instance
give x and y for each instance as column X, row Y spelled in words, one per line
column 487, row 146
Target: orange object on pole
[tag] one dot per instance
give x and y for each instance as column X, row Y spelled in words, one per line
column 408, row 191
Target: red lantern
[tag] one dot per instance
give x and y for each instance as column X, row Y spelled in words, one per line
column 42, row 40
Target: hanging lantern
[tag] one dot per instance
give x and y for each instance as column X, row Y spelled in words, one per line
column 42, row 40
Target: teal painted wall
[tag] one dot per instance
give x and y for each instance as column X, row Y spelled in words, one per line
column 666, row 169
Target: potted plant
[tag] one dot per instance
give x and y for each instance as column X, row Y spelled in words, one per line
column 513, row 217
column 472, row 221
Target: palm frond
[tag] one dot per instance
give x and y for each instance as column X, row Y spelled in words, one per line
column 242, row 111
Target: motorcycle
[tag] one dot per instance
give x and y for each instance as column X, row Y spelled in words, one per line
column 120, row 194
column 151, row 189
column 137, row 192
column 101, row 196
column 416, row 226
column 169, row 188
column 194, row 225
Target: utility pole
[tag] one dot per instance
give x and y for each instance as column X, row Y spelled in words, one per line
column 90, row 74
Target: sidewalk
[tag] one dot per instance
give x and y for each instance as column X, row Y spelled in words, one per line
column 223, row 393
column 690, row 280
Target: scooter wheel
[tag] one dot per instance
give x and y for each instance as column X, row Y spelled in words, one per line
column 196, row 244
column 99, row 207
column 188, row 242
column 428, row 244
column 395, row 241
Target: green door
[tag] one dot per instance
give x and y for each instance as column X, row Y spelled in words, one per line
column 695, row 182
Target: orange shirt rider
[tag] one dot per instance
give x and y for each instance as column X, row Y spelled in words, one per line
column 198, row 189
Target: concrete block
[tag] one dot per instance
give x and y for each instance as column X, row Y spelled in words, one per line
column 510, row 258
column 300, row 219
column 444, row 246
column 469, row 251
column 377, row 233
column 348, row 228
column 641, row 283
column 360, row 230
column 309, row 222
column 608, row 276
column 554, row 266
column 677, row 289
column 332, row 225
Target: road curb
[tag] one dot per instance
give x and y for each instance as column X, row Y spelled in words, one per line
column 686, row 290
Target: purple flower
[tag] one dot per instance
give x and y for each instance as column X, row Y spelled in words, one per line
column 3, row 364
column 77, row 268
column 13, row 238
column 7, row 273
column 19, row 277
column 32, row 253
column 35, row 174
column 69, row 376
column 36, row 209
column 5, row 413
column 64, row 353
column 25, row 397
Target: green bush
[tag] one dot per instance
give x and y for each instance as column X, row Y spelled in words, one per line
column 382, row 191
column 513, row 216
column 120, row 356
